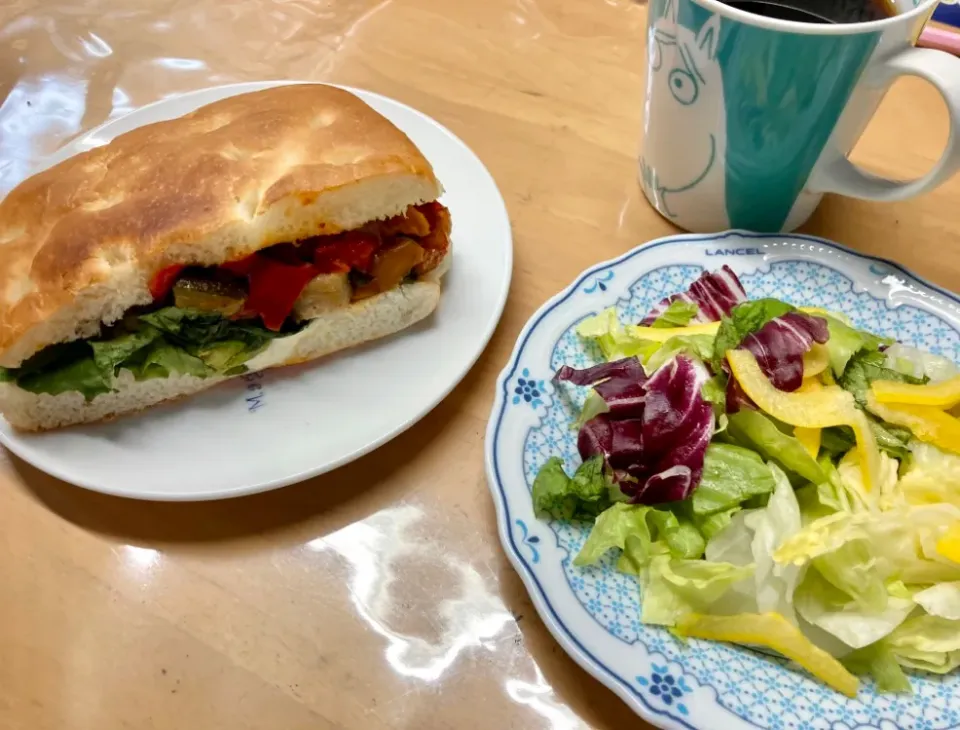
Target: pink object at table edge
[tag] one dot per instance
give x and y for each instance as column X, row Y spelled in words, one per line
column 940, row 39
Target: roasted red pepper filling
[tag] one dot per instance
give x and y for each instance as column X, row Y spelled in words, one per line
column 383, row 252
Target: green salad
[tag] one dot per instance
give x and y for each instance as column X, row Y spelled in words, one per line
column 773, row 476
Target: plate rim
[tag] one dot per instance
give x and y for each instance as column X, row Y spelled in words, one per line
column 502, row 295
column 570, row 643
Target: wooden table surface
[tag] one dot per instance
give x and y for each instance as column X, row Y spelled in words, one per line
column 376, row 596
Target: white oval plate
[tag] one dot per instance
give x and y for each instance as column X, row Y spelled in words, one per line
column 261, row 432
column 594, row 612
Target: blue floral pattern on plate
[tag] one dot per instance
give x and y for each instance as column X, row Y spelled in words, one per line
column 663, row 685
column 528, row 390
column 594, row 612
column 599, row 282
column 529, row 540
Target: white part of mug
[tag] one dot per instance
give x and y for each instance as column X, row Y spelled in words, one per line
column 835, row 173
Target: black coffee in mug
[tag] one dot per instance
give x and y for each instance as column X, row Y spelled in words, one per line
column 817, row 11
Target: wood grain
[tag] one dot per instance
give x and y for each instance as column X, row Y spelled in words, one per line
column 376, row 596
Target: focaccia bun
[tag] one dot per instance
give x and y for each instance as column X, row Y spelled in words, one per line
column 362, row 321
column 80, row 242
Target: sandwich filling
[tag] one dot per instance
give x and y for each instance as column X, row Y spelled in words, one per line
column 209, row 321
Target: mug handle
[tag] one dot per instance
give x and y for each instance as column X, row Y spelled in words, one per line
column 842, row 176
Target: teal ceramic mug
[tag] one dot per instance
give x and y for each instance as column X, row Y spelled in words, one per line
column 748, row 119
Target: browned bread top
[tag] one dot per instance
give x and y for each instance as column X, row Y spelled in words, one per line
column 80, row 242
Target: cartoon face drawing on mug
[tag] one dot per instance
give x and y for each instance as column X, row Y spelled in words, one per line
column 684, row 74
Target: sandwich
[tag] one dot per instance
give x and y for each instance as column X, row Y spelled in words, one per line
column 265, row 229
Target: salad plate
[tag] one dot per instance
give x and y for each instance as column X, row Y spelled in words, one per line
column 272, row 428
column 594, row 611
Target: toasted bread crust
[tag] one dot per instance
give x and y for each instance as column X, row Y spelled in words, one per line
column 80, row 242
column 330, row 332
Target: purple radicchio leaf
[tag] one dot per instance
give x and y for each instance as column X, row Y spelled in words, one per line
column 678, row 425
column 619, row 441
column 656, row 450
column 619, row 383
column 781, row 343
column 596, row 437
column 714, row 293
column 628, row 367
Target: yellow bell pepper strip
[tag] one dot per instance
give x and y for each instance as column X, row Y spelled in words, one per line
column 812, row 406
column 818, row 407
column 662, row 334
column 927, row 423
column 944, row 395
column 949, row 544
column 816, row 360
column 809, row 439
column 775, row 632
